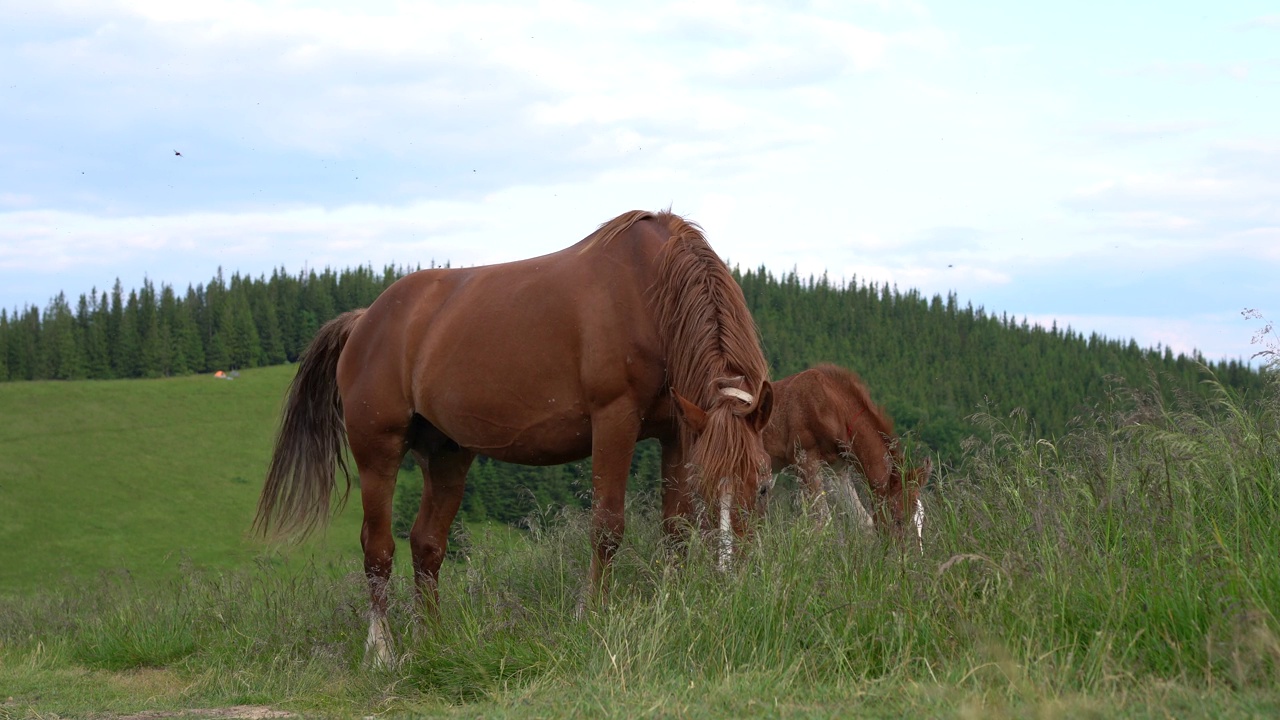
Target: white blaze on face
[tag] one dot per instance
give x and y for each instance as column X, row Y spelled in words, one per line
column 918, row 519
column 726, row 530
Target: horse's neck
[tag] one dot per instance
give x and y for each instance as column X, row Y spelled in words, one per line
column 872, row 449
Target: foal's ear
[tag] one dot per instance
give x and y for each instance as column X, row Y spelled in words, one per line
column 695, row 416
column 764, row 408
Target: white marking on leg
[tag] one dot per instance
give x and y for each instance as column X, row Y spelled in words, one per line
column 860, row 515
column 726, row 531
column 377, row 647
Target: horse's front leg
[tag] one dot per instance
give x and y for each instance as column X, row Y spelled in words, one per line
column 613, row 440
column 677, row 495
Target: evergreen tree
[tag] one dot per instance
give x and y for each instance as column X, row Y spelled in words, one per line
column 217, row 351
column 283, row 292
column 129, row 340
column 174, row 351
column 317, row 298
column 4, row 345
column 243, row 346
column 115, row 319
column 187, row 333
column 91, row 318
column 63, row 358
column 266, row 321
column 153, row 358
column 24, row 347
column 217, row 323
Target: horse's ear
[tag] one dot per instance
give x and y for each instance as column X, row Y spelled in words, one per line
column 695, row 416
column 764, row 408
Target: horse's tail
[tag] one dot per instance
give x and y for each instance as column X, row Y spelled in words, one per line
column 312, row 440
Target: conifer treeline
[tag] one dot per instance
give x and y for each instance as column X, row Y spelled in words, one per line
column 148, row 333
column 930, row 361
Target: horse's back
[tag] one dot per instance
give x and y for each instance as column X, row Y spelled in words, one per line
column 810, row 414
column 507, row 355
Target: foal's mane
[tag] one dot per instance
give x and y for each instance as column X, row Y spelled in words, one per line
column 854, row 388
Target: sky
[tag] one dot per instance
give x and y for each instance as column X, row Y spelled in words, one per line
column 1111, row 167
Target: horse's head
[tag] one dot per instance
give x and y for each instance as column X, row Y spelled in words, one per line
column 728, row 452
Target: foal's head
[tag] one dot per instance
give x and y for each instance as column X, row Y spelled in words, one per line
column 906, row 514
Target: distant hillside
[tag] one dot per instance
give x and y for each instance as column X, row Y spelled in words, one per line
column 931, row 361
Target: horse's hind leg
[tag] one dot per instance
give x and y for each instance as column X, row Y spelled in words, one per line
column 444, row 475
column 377, row 459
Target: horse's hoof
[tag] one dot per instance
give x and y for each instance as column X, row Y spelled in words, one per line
column 377, row 647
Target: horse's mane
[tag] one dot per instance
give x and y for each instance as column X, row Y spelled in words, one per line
column 857, row 389
column 613, row 228
column 711, row 342
column 704, row 318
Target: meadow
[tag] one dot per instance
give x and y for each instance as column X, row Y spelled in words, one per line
column 138, row 476
column 1125, row 569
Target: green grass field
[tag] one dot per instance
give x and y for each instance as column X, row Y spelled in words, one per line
column 1126, row 570
column 138, row 476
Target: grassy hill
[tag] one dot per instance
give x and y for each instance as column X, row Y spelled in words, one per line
column 1126, row 569
column 140, row 475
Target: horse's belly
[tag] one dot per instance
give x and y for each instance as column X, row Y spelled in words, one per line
column 545, row 446
column 518, row 433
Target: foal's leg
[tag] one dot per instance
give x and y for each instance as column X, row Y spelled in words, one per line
column 377, row 460
column 613, row 440
column 444, row 474
column 809, row 467
column 861, row 517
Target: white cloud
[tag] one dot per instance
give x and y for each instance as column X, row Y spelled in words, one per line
column 439, row 90
column 1127, row 132
column 858, row 138
column 1222, row 202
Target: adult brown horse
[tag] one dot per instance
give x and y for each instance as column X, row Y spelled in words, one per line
column 824, row 415
column 637, row 331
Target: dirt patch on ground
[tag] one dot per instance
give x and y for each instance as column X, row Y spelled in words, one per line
column 235, row 712
column 147, row 682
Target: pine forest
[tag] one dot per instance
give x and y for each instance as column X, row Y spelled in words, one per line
column 930, row 361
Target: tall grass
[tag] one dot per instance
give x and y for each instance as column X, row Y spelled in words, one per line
column 1140, row 551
